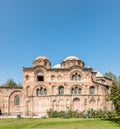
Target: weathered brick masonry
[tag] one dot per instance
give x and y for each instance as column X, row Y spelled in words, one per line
column 69, row 85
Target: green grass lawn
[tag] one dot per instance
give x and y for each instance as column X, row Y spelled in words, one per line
column 59, row 123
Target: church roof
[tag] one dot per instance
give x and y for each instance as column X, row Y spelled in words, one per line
column 41, row 57
column 71, row 58
column 99, row 74
column 57, row 66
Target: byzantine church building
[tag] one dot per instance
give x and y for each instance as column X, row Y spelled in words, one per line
column 68, row 85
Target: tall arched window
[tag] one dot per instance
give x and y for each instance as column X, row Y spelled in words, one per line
column 41, row 91
column 76, row 104
column 92, row 90
column 76, row 77
column 76, row 90
column 16, row 100
column 27, row 77
column 40, row 76
column 61, row 90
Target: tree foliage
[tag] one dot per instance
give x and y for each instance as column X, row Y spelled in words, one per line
column 114, row 96
column 112, row 76
column 11, row 83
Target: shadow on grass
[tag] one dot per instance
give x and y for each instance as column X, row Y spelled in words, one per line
column 114, row 120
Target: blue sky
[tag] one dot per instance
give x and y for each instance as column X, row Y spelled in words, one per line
column 88, row 29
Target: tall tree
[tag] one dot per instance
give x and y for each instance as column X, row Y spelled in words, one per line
column 112, row 76
column 10, row 83
column 114, row 96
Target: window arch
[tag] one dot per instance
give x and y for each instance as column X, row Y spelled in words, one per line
column 106, row 89
column 59, row 77
column 41, row 91
column 61, row 90
column 76, row 77
column 40, row 76
column 53, row 77
column 27, row 77
column 92, row 90
column 76, row 90
column 16, row 100
column 76, row 100
column 76, row 104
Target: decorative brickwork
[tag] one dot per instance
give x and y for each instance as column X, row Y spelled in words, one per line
column 65, row 86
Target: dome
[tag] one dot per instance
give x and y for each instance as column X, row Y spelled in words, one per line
column 41, row 57
column 71, row 58
column 99, row 74
column 57, row 66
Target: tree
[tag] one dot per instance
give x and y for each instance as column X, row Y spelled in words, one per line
column 112, row 76
column 114, row 96
column 11, row 83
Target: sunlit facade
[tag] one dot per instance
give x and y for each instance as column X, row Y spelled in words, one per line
column 68, row 85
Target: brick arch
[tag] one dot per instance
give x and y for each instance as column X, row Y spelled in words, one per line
column 59, row 77
column 28, row 108
column 54, row 104
column 37, row 70
column 76, row 104
column 14, row 109
column 74, row 72
column 61, row 105
column 36, row 87
column 74, row 87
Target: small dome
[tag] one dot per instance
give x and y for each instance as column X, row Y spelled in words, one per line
column 41, row 57
column 99, row 74
column 71, row 58
column 57, row 66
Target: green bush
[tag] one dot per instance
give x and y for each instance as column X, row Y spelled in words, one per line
column 75, row 114
column 19, row 116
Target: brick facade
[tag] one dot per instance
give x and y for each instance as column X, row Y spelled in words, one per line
column 68, row 85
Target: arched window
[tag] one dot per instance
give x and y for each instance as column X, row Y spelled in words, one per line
column 76, row 104
column 52, row 77
column 61, row 90
column 27, row 77
column 59, row 77
column 40, row 76
column 73, row 77
column 16, row 100
column 76, row 77
column 106, row 89
column 76, row 90
column 92, row 90
column 41, row 91
column 76, row 100
column 73, row 91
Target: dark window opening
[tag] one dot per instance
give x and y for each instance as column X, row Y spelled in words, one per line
column 92, row 90
column 41, row 91
column 61, row 90
column 40, row 78
column 76, row 90
column 17, row 100
column 76, row 77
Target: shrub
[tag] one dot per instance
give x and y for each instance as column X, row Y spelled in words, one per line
column 19, row 116
column 75, row 114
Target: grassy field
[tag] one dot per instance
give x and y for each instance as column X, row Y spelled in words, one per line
column 59, row 123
